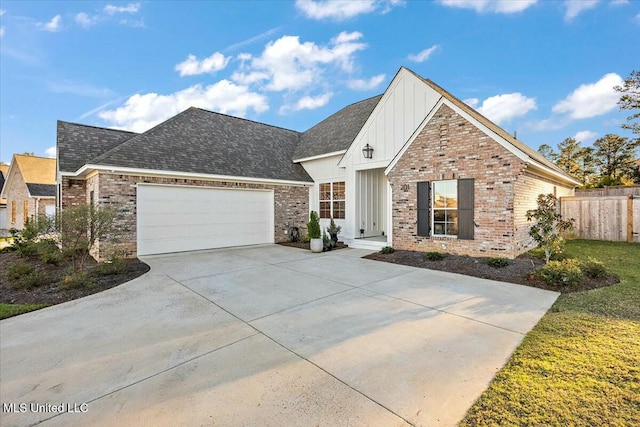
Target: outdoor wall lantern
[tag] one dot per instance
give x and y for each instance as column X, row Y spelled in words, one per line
column 367, row 152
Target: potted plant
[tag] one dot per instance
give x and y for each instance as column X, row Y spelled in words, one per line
column 313, row 229
column 333, row 231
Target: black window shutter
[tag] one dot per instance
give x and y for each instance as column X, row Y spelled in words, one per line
column 424, row 223
column 465, row 208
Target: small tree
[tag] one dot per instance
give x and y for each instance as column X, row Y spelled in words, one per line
column 313, row 226
column 81, row 227
column 549, row 226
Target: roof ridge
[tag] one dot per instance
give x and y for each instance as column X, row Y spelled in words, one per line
column 515, row 142
column 34, row 156
column 244, row 119
column 98, row 127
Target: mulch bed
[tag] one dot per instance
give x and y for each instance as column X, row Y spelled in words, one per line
column 516, row 272
column 52, row 292
column 307, row 245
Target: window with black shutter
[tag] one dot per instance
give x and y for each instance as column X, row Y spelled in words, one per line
column 424, row 221
column 446, row 208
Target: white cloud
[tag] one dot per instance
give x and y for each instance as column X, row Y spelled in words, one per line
column 575, row 7
column 287, row 64
column 253, row 39
column 309, row 103
column 1, row 31
column 50, row 152
column 503, row 108
column 362, row 84
column 142, row 112
column 53, row 25
column 130, row 8
column 495, row 6
column 591, row 99
column 2, row 12
column 424, row 55
column 619, row 2
column 637, row 18
column 192, row 66
column 585, row 136
column 338, row 10
column 86, row 21
column 472, row 102
column 80, row 89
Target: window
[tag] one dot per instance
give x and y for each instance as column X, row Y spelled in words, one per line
column 445, row 208
column 25, row 211
column 13, row 211
column 332, row 197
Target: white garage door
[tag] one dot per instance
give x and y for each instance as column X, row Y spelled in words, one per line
column 177, row 219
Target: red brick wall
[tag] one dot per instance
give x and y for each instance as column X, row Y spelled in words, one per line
column 73, row 192
column 450, row 147
column 291, row 205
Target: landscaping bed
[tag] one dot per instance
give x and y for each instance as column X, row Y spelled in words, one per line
column 306, row 245
column 518, row 270
column 52, row 290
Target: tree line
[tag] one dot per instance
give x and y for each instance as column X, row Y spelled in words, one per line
column 613, row 159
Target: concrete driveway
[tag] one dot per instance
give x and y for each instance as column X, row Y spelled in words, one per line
column 266, row 335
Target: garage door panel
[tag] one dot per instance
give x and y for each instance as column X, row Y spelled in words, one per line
column 176, row 219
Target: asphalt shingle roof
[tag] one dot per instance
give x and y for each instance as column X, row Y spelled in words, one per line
column 42, row 190
column 336, row 132
column 81, row 144
column 200, row 141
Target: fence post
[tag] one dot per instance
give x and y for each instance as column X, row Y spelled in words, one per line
column 630, row 218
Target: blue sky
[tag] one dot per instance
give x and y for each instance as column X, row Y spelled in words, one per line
column 543, row 68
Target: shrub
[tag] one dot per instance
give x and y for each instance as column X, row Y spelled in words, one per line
column 114, row 265
column 313, row 226
column 387, row 250
column 76, row 279
column 434, row 256
column 327, row 243
column 25, row 276
column 549, row 225
column 49, row 252
column 305, row 239
column 593, row 268
column 498, row 262
column 19, row 270
column 563, row 273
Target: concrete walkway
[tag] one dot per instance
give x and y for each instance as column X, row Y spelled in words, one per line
column 266, row 336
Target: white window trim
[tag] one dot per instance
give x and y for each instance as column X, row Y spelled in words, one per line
column 331, row 200
column 433, row 209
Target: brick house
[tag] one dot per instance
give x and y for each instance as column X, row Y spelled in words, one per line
column 29, row 189
column 414, row 168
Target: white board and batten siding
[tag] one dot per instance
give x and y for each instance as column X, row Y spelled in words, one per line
column 174, row 218
column 398, row 114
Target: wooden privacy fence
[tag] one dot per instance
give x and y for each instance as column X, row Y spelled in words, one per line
column 600, row 217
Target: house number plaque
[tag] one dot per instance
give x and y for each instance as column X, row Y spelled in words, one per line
column 404, row 187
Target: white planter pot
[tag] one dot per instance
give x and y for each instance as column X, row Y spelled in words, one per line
column 316, row 245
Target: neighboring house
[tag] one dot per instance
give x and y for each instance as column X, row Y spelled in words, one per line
column 29, row 189
column 414, row 168
column 4, row 168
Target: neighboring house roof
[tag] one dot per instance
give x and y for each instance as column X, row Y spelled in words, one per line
column 34, row 170
column 80, row 144
column 336, row 132
column 534, row 155
column 4, row 169
column 200, row 141
column 42, row 190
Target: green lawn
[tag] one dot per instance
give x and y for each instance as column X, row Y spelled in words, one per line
column 580, row 366
column 9, row 310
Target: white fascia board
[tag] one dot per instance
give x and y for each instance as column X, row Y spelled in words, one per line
column 319, row 156
column 497, row 138
column 174, row 174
